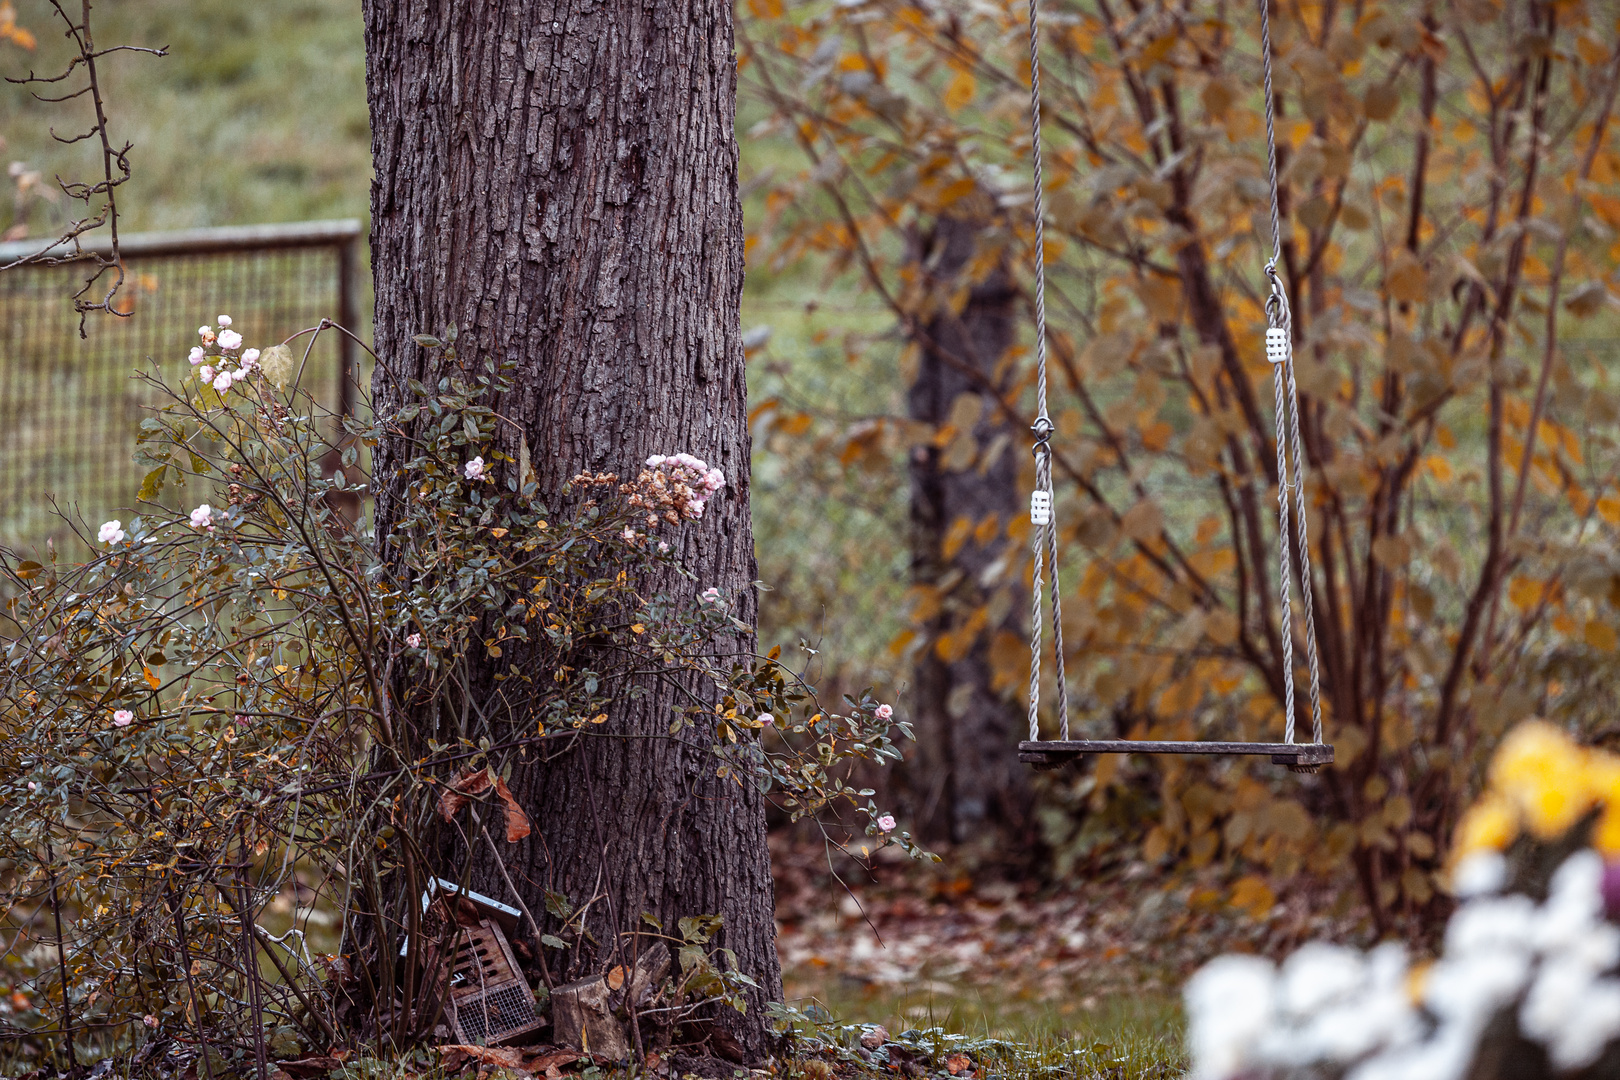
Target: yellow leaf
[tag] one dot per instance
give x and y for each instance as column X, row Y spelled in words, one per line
column 1608, row 508
column 1381, row 102
column 960, row 91
column 1600, row 636
column 1438, row 467
column 1407, row 280
column 1591, row 49
column 278, row 365
column 1524, row 593
column 1253, row 895
column 151, row 680
column 637, row 628
column 1143, row 521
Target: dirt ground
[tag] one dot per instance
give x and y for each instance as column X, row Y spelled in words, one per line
column 912, row 943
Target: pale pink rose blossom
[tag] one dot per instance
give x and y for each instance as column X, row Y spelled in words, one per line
column 711, row 595
column 886, row 823
column 202, row 517
column 123, row 718
column 112, row 532
column 250, row 359
column 883, row 712
column 32, row 786
column 474, row 469
column 765, row 719
column 414, row 641
column 206, row 373
column 223, row 320
column 230, row 339
column 196, row 356
column 222, row 381
column 663, row 548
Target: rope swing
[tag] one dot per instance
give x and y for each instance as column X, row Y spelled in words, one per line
column 1300, row 757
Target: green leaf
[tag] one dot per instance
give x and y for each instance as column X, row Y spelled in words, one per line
column 152, row 485
column 427, row 341
column 553, row 942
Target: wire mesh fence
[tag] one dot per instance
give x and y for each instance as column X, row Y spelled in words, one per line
column 70, row 407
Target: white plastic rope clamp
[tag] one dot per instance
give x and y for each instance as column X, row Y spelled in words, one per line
column 1277, row 345
column 1040, row 508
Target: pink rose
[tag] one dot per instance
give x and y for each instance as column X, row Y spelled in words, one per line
column 883, row 712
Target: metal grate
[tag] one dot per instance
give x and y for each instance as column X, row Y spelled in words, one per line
column 69, row 407
column 489, row 997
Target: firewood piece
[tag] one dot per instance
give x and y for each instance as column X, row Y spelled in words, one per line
column 651, row 967
column 581, row 1019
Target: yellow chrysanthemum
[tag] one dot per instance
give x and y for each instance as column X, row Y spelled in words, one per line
column 1603, row 777
column 1489, row 825
column 1545, row 775
column 1606, row 833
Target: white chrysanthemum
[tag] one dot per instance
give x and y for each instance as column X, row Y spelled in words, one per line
column 1230, row 1004
column 1587, row 1027
column 1469, row 989
column 1489, row 924
column 1316, row 974
column 1574, row 907
column 1445, row 1056
column 1480, row 874
column 1557, row 992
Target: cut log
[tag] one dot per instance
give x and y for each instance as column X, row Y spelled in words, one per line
column 651, row 967
column 581, row 1019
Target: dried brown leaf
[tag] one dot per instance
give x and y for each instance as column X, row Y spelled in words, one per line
column 517, row 822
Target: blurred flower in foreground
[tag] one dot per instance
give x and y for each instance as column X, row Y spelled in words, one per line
column 1513, row 972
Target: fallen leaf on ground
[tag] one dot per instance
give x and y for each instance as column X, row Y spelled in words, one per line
column 502, row 1056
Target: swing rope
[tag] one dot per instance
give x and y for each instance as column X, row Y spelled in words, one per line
column 1279, row 351
column 1044, row 528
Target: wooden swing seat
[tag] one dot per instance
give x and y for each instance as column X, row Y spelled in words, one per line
column 1049, row 754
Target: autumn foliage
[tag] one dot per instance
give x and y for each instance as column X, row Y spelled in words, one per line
column 1448, row 243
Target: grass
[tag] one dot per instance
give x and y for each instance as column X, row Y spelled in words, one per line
column 1123, row 1039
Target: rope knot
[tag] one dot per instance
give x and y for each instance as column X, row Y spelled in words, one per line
column 1043, row 429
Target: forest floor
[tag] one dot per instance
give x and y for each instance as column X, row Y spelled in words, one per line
column 1095, row 962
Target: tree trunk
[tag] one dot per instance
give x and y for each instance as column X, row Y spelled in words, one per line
column 963, row 496
column 559, row 181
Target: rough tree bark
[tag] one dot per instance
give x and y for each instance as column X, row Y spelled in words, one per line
column 971, row 783
column 559, row 181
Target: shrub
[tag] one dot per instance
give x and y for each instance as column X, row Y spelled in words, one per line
column 198, row 723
